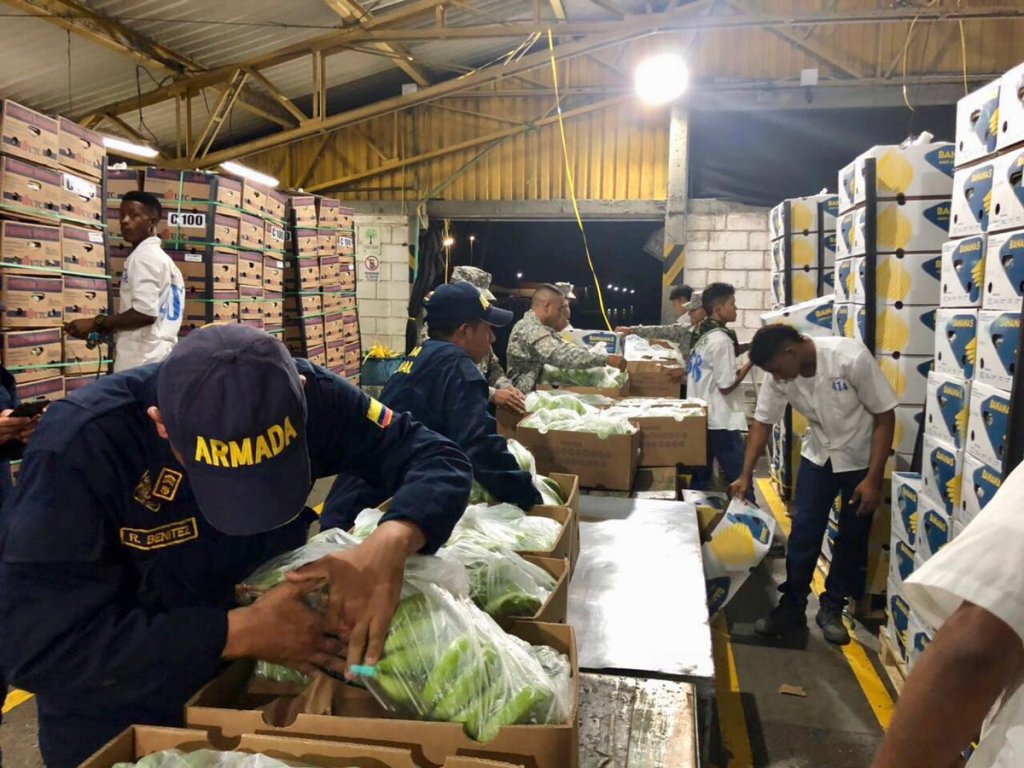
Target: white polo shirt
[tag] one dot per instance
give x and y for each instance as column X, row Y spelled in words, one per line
column 981, row 566
column 712, row 368
column 839, row 401
column 152, row 284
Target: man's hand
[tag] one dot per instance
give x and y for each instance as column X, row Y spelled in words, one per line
column 869, row 493
column 16, row 427
column 282, row 628
column 744, row 370
column 80, row 329
column 617, row 361
column 624, row 329
column 364, row 585
column 740, row 487
column 510, row 399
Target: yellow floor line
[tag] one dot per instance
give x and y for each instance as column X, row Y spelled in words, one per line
column 871, row 684
column 15, row 699
column 731, row 718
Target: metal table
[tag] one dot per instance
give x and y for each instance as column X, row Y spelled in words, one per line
column 637, row 603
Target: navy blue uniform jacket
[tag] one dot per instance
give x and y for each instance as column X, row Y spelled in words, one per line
column 114, row 589
column 441, row 387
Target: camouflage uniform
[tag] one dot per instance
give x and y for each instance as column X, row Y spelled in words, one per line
column 532, row 345
column 490, row 367
column 680, row 332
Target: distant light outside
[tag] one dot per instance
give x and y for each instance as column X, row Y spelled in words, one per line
column 448, row 242
column 662, row 78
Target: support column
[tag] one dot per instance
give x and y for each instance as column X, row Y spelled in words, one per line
column 675, row 208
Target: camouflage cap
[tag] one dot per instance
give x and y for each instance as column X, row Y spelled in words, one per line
column 475, row 276
column 695, row 302
column 567, row 290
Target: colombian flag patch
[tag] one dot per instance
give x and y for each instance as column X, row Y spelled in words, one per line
column 379, row 414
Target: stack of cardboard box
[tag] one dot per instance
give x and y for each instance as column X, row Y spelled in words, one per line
column 321, row 322
column 803, row 248
column 978, row 331
column 53, row 250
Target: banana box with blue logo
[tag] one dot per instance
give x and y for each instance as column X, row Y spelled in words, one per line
column 847, row 182
column 956, row 341
column 804, row 284
column 855, row 280
column 1011, row 109
column 912, row 278
column 919, row 636
column 909, row 330
column 1007, row 208
column 1004, row 271
column 811, row 318
column 913, row 170
column 947, row 408
column 850, row 321
column 988, row 423
column 941, row 464
column 934, row 530
column 897, row 625
column 814, row 213
column 977, row 124
column 972, row 199
column 902, row 225
column 845, row 279
column 980, row 483
column 906, row 490
column 963, row 272
column 908, row 422
column 849, row 233
column 998, row 338
column 611, row 342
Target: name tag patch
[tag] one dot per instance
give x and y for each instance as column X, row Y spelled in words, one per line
column 147, row 539
column 840, row 385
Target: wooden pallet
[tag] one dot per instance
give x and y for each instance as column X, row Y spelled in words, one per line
column 892, row 662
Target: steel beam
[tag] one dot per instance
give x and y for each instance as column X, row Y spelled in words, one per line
column 352, row 11
column 674, row 246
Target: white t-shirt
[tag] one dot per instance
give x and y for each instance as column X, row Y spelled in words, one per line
column 152, row 284
column 982, row 566
column 712, row 368
column 839, row 401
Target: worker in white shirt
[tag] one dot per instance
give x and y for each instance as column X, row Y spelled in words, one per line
column 152, row 300
column 712, row 376
column 838, row 386
column 969, row 678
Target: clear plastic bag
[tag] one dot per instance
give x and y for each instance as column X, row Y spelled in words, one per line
column 542, row 400
column 446, row 660
column 523, row 456
column 505, row 525
column 419, row 569
column 279, row 673
column 601, row 423
column 601, row 377
column 366, row 522
column 207, row 758
column 501, row 583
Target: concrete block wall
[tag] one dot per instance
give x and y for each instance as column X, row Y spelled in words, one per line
column 384, row 304
column 728, row 243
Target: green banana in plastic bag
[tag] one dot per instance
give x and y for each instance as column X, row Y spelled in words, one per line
column 501, row 582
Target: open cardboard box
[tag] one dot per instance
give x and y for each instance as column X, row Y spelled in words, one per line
column 556, row 607
column 570, row 487
column 665, row 442
column 227, row 709
column 138, row 741
column 655, row 378
column 617, row 392
column 608, row 463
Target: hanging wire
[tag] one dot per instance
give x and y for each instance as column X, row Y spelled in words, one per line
column 572, row 185
column 963, row 49
column 69, row 73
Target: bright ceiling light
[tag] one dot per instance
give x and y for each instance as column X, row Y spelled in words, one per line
column 248, row 173
column 662, row 78
column 121, row 146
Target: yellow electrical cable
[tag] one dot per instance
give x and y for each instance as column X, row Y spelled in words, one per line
column 963, row 48
column 572, row 186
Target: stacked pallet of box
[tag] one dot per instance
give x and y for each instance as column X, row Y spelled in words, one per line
column 803, row 246
column 968, row 411
column 320, row 301
column 893, row 220
column 53, row 265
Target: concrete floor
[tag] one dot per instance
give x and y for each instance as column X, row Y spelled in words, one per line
column 832, row 727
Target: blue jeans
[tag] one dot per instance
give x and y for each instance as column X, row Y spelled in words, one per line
column 816, row 489
column 727, row 448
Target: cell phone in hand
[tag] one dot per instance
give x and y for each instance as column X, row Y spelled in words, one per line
column 29, row 410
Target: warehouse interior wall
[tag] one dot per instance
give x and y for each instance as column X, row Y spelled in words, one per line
column 382, row 279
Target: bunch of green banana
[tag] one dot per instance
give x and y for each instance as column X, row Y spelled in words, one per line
column 445, row 661
column 501, row 582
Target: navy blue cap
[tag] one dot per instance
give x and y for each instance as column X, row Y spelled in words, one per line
column 458, row 303
column 232, row 401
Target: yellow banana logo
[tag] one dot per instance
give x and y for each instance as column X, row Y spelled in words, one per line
column 804, row 254
column 895, row 173
column 953, row 490
column 894, row 229
column 978, row 272
column 893, row 331
column 894, row 375
column 802, row 217
column 734, row 547
column 961, row 419
column 972, row 350
column 805, row 287
column 892, row 280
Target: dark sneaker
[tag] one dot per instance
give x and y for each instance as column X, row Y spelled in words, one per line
column 782, row 620
column 832, row 626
